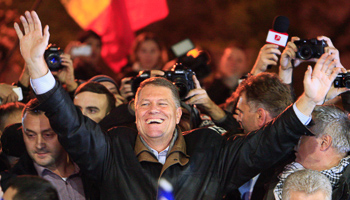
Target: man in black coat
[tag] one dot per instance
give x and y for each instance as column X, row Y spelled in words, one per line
column 198, row 165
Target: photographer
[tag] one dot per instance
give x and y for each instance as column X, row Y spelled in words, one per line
column 86, row 56
column 148, row 53
column 126, row 89
column 289, row 60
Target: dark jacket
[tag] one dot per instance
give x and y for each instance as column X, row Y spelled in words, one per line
column 201, row 164
column 25, row 166
column 268, row 180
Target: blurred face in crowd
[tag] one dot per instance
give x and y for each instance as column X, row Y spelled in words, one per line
column 95, row 49
column 307, row 151
column 41, row 141
column 13, row 118
column 92, row 105
column 298, row 195
column 113, row 89
column 246, row 116
column 233, row 61
column 148, row 54
column 156, row 113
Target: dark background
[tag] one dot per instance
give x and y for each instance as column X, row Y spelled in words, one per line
column 210, row 24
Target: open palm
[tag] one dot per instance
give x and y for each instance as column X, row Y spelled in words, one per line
column 33, row 42
column 318, row 81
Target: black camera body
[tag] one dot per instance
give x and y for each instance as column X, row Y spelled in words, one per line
column 342, row 80
column 52, row 57
column 308, row 49
column 181, row 78
column 135, row 81
column 179, row 75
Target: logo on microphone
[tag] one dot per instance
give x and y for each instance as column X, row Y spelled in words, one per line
column 277, row 37
column 274, row 37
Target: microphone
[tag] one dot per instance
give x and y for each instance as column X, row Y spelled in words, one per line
column 278, row 35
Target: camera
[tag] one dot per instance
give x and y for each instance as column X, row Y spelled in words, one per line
column 52, row 57
column 308, row 49
column 342, row 80
column 179, row 75
column 181, row 78
column 136, row 81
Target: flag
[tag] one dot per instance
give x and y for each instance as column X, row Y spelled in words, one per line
column 115, row 21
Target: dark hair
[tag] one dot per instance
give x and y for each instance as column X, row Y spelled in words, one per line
column 31, row 107
column 159, row 81
column 96, row 87
column 83, row 36
column 266, row 90
column 145, row 37
column 32, row 188
column 8, row 109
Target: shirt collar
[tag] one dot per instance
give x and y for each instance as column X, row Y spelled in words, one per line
column 177, row 146
column 40, row 169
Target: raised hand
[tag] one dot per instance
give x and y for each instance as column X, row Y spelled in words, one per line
column 199, row 97
column 317, row 82
column 267, row 56
column 33, row 43
column 66, row 75
column 331, row 49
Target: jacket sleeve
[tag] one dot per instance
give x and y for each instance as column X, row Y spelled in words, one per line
column 81, row 137
column 243, row 157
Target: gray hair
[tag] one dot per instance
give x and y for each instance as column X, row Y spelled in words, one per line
column 307, row 181
column 159, row 81
column 333, row 121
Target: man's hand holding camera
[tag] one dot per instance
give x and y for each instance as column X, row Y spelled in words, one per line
column 199, row 97
column 66, row 74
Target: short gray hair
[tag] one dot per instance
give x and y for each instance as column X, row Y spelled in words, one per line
column 307, row 181
column 159, row 81
column 333, row 121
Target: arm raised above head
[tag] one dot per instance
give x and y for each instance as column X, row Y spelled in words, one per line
column 33, row 42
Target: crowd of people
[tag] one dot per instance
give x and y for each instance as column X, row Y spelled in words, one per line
column 84, row 132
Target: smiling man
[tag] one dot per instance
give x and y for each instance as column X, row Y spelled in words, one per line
column 200, row 164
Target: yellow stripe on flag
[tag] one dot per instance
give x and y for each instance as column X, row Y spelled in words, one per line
column 85, row 11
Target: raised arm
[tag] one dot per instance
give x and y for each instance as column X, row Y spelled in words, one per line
column 317, row 82
column 33, row 43
column 81, row 137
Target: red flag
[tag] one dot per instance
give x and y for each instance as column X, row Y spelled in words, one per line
column 115, row 21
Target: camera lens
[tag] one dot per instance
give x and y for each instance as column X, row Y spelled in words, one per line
column 181, row 84
column 53, row 60
column 346, row 81
column 305, row 52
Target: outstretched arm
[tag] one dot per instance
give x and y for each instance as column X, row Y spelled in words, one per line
column 33, row 43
